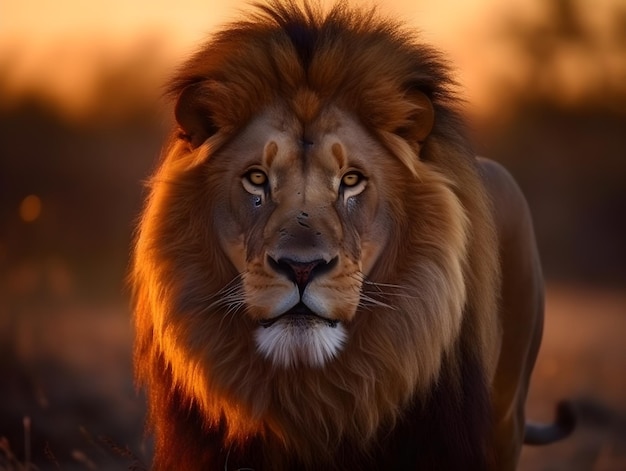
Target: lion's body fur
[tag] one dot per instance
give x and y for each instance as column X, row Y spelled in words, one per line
column 413, row 384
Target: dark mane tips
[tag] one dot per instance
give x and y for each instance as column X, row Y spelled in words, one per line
column 300, row 24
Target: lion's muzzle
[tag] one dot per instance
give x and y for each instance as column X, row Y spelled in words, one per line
column 301, row 273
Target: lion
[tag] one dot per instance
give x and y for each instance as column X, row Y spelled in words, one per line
column 324, row 276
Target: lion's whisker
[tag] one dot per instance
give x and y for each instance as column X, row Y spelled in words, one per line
column 362, row 278
column 383, row 285
column 375, row 302
column 230, row 296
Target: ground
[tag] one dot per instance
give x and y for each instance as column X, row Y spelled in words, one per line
column 583, row 357
column 68, row 401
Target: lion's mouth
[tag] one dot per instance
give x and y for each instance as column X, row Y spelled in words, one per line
column 300, row 315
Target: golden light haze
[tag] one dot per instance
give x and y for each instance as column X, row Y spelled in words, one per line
column 30, row 208
column 60, row 44
column 60, row 47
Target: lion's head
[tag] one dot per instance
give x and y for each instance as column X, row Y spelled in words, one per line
column 307, row 255
column 303, row 212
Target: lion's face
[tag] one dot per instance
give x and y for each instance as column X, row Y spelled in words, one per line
column 305, row 225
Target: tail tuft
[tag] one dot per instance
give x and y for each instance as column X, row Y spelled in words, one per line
column 544, row 434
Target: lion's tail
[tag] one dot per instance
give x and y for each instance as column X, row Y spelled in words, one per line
column 544, row 434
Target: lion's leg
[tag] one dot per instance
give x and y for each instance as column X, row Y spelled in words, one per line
column 521, row 311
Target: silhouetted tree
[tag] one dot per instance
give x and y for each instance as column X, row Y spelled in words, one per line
column 565, row 58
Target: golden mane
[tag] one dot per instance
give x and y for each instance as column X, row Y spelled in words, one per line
column 303, row 60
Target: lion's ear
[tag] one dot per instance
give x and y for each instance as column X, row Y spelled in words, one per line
column 421, row 118
column 193, row 114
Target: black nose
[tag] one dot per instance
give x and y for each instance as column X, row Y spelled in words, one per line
column 301, row 273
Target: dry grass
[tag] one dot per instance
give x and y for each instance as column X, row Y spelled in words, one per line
column 69, row 402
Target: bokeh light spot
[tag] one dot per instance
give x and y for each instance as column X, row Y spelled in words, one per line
column 30, row 208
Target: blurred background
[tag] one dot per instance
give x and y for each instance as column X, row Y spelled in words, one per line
column 81, row 125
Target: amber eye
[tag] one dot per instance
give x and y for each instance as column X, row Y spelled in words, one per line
column 256, row 177
column 351, row 179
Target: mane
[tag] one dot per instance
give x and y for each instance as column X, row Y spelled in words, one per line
column 352, row 58
column 305, row 59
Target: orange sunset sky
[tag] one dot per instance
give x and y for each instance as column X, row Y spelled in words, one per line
column 59, row 46
column 62, row 41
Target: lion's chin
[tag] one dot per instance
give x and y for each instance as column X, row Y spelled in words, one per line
column 300, row 340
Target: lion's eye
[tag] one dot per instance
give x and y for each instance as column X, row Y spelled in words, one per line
column 255, row 181
column 256, row 177
column 352, row 184
column 351, row 179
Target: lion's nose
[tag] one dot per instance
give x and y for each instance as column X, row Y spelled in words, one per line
column 301, row 273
